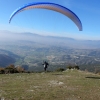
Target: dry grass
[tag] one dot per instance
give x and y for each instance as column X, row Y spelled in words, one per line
column 68, row 85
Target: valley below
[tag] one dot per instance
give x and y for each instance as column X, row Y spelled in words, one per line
column 30, row 50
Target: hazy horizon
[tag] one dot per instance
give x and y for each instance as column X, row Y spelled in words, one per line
column 47, row 22
column 7, row 33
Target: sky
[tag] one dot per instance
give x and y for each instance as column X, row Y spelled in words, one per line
column 47, row 22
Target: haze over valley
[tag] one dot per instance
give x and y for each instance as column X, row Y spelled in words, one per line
column 30, row 50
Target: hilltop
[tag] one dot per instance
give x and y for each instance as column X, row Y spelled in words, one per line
column 67, row 85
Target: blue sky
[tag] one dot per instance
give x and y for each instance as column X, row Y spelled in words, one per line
column 48, row 22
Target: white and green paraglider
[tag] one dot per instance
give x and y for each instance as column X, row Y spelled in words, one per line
column 50, row 6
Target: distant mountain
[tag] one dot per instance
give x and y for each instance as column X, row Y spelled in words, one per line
column 29, row 34
column 50, row 40
column 7, row 33
column 7, row 58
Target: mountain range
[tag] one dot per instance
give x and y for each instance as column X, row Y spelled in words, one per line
column 50, row 40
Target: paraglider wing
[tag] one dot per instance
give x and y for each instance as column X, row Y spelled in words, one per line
column 50, row 6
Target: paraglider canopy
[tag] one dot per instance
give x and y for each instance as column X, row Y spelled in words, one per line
column 50, row 6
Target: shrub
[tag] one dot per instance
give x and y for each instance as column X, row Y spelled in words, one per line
column 76, row 67
column 20, row 69
column 2, row 70
column 70, row 67
column 10, row 69
column 73, row 67
column 60, row 69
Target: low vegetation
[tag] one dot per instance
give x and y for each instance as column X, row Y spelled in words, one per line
column 73, row 67
column 64, row 85
column 11, row 69
column 60, row 69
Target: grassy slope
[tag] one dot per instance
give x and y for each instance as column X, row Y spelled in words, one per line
column 68, row 85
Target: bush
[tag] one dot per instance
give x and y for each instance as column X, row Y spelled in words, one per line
column 2, row 71
column 10, row 69
column 73, row 67
column 20, row 69
column 76, row 67
column 70, row 67
column 60, row 69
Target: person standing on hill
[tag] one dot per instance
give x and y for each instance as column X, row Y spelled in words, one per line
column 45, row 65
